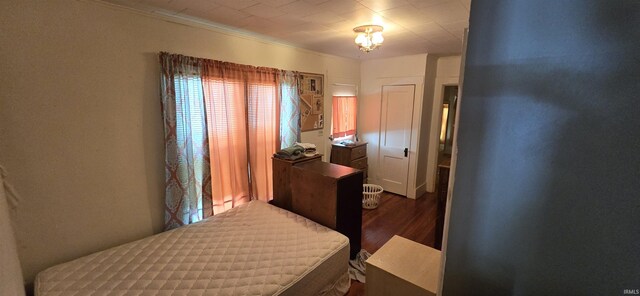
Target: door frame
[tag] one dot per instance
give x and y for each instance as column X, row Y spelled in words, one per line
column 436, row 121
column 415, row 188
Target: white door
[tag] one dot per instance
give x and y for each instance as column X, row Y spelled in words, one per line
column 395, row 136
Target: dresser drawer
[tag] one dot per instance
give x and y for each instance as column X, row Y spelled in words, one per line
column 360, row 164
column 357, row 152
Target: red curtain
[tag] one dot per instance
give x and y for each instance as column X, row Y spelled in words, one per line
column 263, row 130
column 242, row 112
column 344, row 116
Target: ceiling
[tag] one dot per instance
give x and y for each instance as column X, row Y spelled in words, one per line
column 410, row 26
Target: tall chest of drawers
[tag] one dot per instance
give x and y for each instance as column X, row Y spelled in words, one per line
column 354, row 156
column 331, row 195
column 282, row 179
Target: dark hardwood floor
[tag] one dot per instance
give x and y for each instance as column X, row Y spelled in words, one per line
column 397, row 215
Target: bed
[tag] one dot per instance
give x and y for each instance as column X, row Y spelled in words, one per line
column 253, row 249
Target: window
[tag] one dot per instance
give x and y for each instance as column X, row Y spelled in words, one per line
column 344, row 116
column 241, row 118
column 223, row 122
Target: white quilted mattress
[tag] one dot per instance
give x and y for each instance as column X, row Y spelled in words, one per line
column 253, row 249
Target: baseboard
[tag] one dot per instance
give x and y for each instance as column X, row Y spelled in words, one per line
column 421, row 190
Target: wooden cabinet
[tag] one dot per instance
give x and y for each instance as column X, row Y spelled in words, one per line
column 281, row 179
column 354, row 156
column 331, row 195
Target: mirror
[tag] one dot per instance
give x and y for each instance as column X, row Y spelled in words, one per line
column 449, row 103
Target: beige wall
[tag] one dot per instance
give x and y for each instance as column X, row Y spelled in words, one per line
column 375, row 74
column 80, row 123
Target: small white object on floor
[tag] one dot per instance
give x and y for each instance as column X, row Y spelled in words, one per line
column 358, row 266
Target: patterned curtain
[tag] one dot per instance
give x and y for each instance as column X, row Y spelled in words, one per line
column 187, row 169
column 289, row 109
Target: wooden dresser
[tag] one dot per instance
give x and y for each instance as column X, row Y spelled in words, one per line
column 331, row 195
column 354, row 156
column 282, row 180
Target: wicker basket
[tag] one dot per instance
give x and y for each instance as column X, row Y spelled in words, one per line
column 371, row 196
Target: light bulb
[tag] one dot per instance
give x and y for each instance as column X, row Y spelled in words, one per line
column 377, row 38
column 367, row 43
column 360, row 39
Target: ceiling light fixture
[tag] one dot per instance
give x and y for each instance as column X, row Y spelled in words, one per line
column 369, row 37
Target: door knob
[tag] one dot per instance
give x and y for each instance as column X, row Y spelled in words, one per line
column 406, row 152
